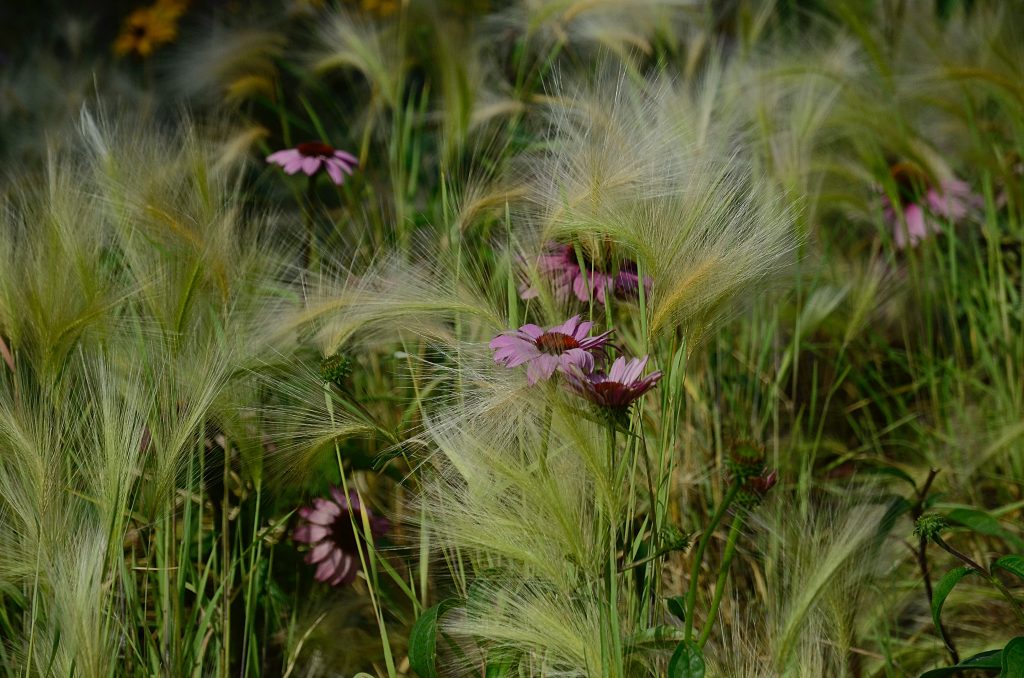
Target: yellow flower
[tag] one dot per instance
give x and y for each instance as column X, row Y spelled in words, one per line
column 147, row 28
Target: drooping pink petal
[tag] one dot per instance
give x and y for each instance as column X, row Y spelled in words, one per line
column 582, row 330
column 513, row 351
column 347, row 158
column 531, row 330
column 327, row 506
column 320, row 551
column 334, row 172
column 294, row 165
column 345, row 572
column 318, row 517
column 577, row 358
column 541, row 368
column 310, row 533
column 283, row 157
column 326, row 569
column 310, row 165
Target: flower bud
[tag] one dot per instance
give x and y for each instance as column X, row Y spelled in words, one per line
column 930, row 526
column 335, row 369
column 746, row 459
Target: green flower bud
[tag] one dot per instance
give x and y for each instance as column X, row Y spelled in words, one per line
column 674, row 539
column 336, row 369
column 930, row 526
column 746, row 459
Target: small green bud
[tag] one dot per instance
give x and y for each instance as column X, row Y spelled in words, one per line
column 336, row 369
column 746, row 459
column 674, row 539
column 930, row 526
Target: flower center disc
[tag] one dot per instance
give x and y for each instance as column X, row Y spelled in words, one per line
column 315, row 148
column 556, row 342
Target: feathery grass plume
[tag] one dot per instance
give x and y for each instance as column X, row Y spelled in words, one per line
column 813, row 590
column 645, row 167
column 63, row 535
column 525, row 497
column 393, row 298
column 622, row 27
column 789, row 102
column 227, row 65
column 348, row 41
column 151, row 296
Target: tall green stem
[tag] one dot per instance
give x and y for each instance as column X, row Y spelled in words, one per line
column 702, row 545
column 723, row 574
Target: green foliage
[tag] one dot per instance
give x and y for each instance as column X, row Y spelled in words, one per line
column 687, row 662
column 423, row 638
column 943, row 588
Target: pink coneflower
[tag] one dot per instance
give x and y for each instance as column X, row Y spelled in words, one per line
column 560, row 266
column 617, row 389
column 311, row 156
column 922, row 202
column 561, row 347
column 327, row 526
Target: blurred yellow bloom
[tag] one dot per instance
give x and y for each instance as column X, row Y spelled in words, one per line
column 147, row 28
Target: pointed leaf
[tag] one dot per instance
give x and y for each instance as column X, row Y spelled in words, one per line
column 423, row 639
column 942, row 590
column 1013, row 564
column 990, row 659
column 686, row 662
column 1013, row 659
column 983, row 523
column 677, row 606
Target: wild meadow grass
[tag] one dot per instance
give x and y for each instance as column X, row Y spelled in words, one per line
column 564, row 338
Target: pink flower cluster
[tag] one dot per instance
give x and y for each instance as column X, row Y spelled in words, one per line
column 561, row 267
column 923, row 206
column 568, row 349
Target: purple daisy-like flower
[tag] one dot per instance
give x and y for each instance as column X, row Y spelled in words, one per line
column 327, row 526
column 560, row 266
column 618, row 388
column 312, row 156
column 562, row 347
column 922, row 202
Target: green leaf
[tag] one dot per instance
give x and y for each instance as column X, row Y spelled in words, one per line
column 942, row 590
column 677, row 606
column 686, row 662
column 423, row 639
column 1013, row 564
column 990, row 659
column 500, row 666
column 660, row 637
column 983, row 523
column 1012, row 664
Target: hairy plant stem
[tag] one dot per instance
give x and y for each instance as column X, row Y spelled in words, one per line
column 922, row 560
column 723, row 574
column 705, row 537
column 985, row 572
